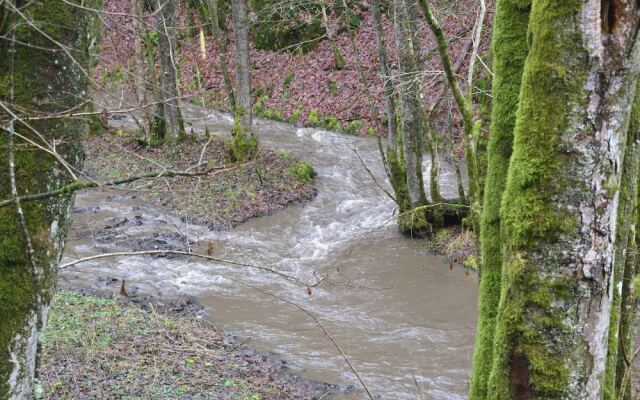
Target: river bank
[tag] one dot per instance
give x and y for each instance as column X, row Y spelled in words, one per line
column 228, row 194
column 145, row 348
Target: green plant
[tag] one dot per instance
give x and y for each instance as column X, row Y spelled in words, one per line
column 295, row 115
column 353, row 128
column 288, row 78
column 282, row 153
column 333, row 87
column 302, row 171
column 331, row 123
column 313, row 118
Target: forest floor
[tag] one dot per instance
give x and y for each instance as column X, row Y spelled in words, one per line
column 229, row 194
column 305, row 88
column 97, row 348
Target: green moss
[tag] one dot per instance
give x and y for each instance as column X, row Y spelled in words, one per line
column 532, row 345
column 398, row 180
column 46, row 82
column 302, row 171
column 313, row 117
column 510, row 50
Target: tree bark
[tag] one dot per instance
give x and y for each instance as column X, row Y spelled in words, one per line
column 32, row 236
column 141, row 69
column 466, row 110
column 222, row 53
column 167, row 54
column 624, row 263
column 244, row 141
column 392, row 131
column 412, row 117
column 560, row 203
column 338, row 60
column 509, row 53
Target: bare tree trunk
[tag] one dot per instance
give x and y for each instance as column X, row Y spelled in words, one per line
column 392, row 130
column 338, row 60
column 558, row 220
column 166, row 25
column 32, row 235
column 141, row 69
column 222, row 53
column 624, row 263
column 244, row 141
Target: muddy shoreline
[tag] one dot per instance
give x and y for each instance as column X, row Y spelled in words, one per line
column 262, row 375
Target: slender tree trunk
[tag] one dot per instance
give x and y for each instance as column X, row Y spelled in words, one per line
column 560, row 201
column 392, row 130
column 32, row 236
column 509, row 53
column 244, row 141
column 624, row 262
column 222, row 53
column 141, row 68
column 166, row 25
column 338, row 60
column 464, row 105
column 411, row 110
column 461, row 196
column 393, row 157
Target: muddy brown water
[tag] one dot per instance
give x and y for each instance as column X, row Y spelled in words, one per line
column 404, row 319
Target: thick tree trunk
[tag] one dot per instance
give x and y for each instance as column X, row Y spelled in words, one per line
column 244, row 141
column 560, row 202
column 509, row 52
column 36, row 80
column 167, row 54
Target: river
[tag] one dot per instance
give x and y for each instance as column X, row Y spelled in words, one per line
column 402, row 316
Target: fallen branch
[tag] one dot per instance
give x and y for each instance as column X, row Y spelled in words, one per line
column 80, row 185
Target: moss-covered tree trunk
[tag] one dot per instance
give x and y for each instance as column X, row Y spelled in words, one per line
column 36, row 80
column 509, row 52
column 411, row 119
column 560, row 203
column 466, row 109
column 168, row 57
column 392, row 158
column 243, row 141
